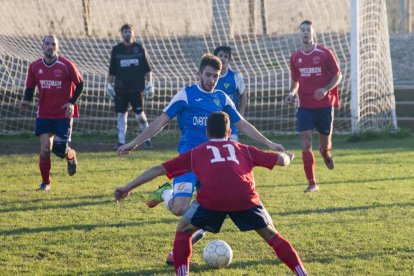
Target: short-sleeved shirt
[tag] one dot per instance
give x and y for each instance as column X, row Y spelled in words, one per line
column 192, row 105
column 56, row 83
column 232, row 84
column 314, row 70
column 224, row 169
column 129, row 64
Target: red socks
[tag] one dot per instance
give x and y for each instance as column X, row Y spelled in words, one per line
column 44, row 166
column 182, row 253
column 309, row 165
column 287, row 254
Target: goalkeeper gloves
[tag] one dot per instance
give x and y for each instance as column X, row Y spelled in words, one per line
column 110, row 92
column 149, row 91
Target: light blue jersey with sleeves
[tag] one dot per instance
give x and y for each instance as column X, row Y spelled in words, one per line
column 233, row 85
column 192, row 106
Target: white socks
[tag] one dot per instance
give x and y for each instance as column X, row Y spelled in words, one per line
column 167, row 195
column 121, row 124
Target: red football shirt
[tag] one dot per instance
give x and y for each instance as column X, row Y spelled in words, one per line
column 224, row 169
column 56, row 83
column 314, row 70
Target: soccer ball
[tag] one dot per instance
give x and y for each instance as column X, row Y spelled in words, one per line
column 217, row 254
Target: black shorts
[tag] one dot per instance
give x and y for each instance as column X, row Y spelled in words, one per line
column 122, row 100
column 210, row 220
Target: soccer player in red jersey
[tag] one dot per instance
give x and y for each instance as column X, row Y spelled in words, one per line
column 315, row 77
column 224, row 169
column 60, row 86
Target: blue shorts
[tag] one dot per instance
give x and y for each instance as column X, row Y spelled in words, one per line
column 184, row 185
column 210, row 220
column 62, row 128
column 320, row 119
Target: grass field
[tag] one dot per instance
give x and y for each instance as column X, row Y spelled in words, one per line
column 360, row 223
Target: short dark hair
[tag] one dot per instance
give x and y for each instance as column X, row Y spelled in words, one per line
column 222, row 48
column 210, row 60
column 306, row 22
column 218, row 124
column 126, row 26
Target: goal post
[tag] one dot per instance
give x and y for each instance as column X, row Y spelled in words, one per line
column 261, row 33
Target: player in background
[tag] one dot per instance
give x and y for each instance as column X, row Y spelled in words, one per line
column 315, row 77
column 129, row 76
column 60, row 86
column 224, row 168
column 231, row 82
column 191, row 106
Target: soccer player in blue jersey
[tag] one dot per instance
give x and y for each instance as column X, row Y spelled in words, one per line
column 192, row 105
column 231, row 83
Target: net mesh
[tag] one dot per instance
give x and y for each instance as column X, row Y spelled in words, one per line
column 176, row 33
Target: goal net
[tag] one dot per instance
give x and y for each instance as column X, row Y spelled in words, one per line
column 262, row 34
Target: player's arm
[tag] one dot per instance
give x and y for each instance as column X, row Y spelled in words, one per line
column 27, row 98
column 254, row 134
column 156, row 126
column 241, row 88
column 243, row 103
column 122, row 192
column 110, row 92
column 294, row 86
column 322, row 92
column 29, row 91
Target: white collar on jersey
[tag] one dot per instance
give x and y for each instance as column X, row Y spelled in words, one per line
column 202, row 90
column 217, row 139
column 311, row 51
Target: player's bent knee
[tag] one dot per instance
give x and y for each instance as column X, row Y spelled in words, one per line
column 178, row 210
column 60, row 149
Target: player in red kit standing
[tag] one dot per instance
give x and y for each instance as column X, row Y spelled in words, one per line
column 224, row 169
column 60, row 86
column 315, row 77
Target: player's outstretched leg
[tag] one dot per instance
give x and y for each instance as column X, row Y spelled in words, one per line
column 72, row 162
column 198, row 235
column 287, row 254
column 156, row 197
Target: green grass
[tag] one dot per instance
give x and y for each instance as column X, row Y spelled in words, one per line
column 360, row 223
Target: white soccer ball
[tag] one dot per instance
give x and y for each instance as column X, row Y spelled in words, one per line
column 217, row 254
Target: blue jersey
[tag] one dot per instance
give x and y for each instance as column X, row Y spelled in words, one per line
column 232, row 84
column 192, row 106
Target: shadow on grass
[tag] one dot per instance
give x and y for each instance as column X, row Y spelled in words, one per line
column 344, row 209
column 196, row 270
column 37, row 200
column 359, row 256
column 345, row 181
column 62, row 206
column 82, row 227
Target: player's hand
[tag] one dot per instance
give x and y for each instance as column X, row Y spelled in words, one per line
column 70, row 110
column 120, row 193
column 276, row 147
column 126, row 149
column 290, row 98
column 149, row 91
column 319, row 94
column 23, row 105
column 110, row 92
